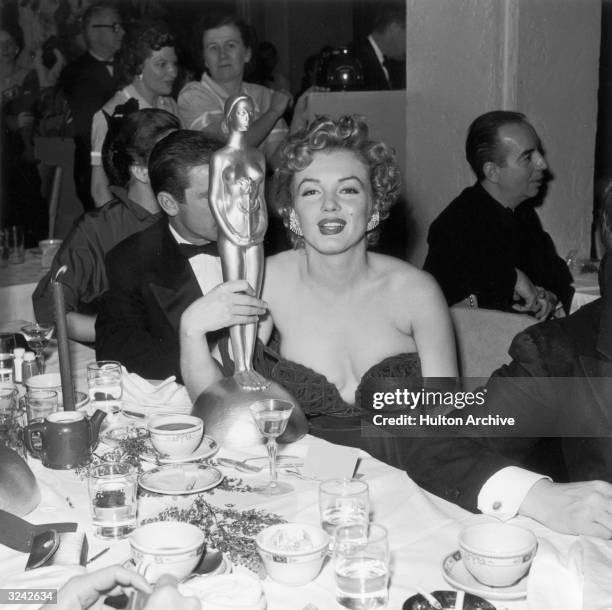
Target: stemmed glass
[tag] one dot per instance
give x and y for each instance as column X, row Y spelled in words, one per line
column 271, row 417
column 37, row 336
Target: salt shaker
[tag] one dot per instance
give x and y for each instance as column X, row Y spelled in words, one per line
column 18, row 352
column 29, row 367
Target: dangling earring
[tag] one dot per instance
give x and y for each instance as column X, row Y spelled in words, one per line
column 373, row 222
column 294, row 224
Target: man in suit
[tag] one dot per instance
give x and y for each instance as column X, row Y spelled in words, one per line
column 488, row 246
column 154, row 275
column 383, row 53
column 557, row 388
column 89, row 82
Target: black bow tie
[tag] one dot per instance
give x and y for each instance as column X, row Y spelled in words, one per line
column 189, row 250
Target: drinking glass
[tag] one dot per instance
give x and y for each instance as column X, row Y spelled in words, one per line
column 16, row 245
column 38, row 336
column 112, row 492
column 361, row 566
column 104, row 382
column 40, row 403
column 271, row 417
column 343, row 502
column 7, row 345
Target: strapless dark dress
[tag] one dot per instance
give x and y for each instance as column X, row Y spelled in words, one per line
column 329, row 416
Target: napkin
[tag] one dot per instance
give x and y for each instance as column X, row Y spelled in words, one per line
column 556, row 579
column 142, row 396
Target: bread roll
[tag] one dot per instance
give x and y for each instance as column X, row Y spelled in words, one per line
column 19, row 492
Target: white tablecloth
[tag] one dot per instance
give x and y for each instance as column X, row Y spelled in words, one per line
column 422, row 528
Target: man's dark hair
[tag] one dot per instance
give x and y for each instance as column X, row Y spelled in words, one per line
column 175, row 156
column 482, row 143
column 388, row 13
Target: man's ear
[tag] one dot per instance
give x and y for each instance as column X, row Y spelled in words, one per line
column 140, row 172
column 247, row 57
column 168, row 203
column 491, row 171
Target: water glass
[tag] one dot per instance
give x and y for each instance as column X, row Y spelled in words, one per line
column 7, row 345
column 343, row 502
column 16, row 245
column 112, row 492
column 104, row 382
column 361, row 566
column 40, row 403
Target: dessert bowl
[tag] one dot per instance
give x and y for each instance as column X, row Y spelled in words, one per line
column 292, row 553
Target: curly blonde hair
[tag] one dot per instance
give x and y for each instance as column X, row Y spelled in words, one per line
column 324, row 134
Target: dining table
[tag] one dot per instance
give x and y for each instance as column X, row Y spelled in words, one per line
column 17, row 283
column 422, row 528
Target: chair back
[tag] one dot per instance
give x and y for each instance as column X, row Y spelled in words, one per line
column 483, row 338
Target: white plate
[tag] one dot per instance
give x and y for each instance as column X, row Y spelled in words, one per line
column 206, row 448
column 456, row 574
column 180, row 479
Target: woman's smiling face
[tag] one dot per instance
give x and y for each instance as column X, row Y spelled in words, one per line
column 159, row 71
column 333, row 200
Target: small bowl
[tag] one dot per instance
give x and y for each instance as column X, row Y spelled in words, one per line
column 167, row 547
column 226, row 592
column 292, row 553
column 176, row 435
column 497, row 554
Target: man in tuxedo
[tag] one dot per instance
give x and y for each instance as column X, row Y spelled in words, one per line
column 488, row 246
column 557, row 388
column 383, row 53
column 89, row 82
column 156, row 274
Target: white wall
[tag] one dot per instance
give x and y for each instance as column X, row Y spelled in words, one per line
column 466, row 57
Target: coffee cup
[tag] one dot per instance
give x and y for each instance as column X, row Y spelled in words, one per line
column 167, row 547
column 176, row 435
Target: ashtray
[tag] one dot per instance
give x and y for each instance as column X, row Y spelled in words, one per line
column 447, row 600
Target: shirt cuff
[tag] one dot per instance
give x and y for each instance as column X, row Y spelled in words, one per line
column 504, row 492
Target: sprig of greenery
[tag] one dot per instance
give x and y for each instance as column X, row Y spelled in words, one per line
column 227, row 529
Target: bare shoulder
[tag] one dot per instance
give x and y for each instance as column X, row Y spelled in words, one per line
column 281, row 269
column 404, row 280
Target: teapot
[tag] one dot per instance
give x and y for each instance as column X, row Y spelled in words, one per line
column 67, row 438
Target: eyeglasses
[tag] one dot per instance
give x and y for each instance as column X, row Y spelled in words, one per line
column 116, row 27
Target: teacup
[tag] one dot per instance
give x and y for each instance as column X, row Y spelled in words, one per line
column 497, row 554
column 167, row 547
column 175, row 436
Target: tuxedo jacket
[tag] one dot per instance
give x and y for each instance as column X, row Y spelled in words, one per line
column 87, row 85
column 374, row 78
column 559, row 390
column 150, row 284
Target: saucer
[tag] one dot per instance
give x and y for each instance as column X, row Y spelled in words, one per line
column 456, row 574
column 206, row 448
column 180, row 479
column 447, row 600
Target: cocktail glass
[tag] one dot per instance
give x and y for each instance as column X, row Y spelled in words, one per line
column 271, row 417
column 38, row 336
